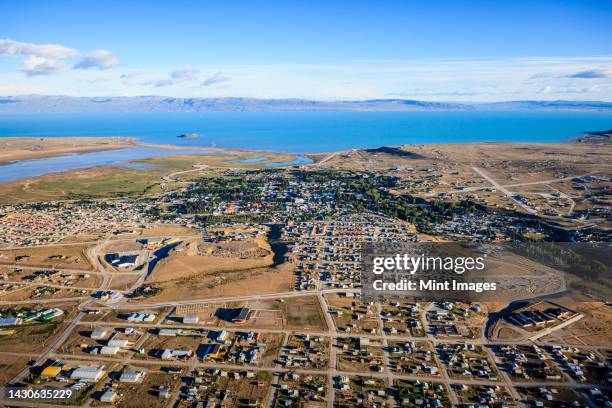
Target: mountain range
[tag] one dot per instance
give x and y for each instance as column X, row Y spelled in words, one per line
column 70, row 104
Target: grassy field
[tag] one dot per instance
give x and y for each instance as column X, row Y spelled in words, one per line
column 115, row 182
column 102, row 182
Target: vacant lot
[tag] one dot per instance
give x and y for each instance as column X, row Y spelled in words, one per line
column 231, row 283
column 60, row 256
column 212, row 262
column 10, row 366
column 145, row 394
column 304, row 313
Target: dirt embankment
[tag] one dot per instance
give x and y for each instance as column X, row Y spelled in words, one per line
column 196, row 259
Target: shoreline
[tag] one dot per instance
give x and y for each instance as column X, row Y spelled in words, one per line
column 22, row 148
column 24, row 154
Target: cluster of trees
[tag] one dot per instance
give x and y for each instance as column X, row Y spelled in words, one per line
column 345, row 191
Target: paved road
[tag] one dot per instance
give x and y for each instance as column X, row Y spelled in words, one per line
column 529, row 183
column 42, row 301
column 190, row 363
column 276, row 295
column 61, row 338
column 504, row 190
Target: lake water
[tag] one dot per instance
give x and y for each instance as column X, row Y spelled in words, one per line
column 294, row 132
column 300, row 132
column 298, row 160
column 250, row 160
column 121, row 157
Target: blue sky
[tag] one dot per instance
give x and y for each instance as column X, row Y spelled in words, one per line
column 431, row 50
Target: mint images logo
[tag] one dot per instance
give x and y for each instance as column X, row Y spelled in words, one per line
column 420, row 270
column 484, row 271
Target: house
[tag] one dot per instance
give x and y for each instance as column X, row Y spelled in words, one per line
column 109, row 396
column 10, row 321
column 169, row 354
column 51, row 371
column 98, row 334
column 131, row 376
column 190, row 319
column 164, row 392
column 87, row 373
column 109, row 350
column 219, row 336
column 169, row 332
column 141, row 317
column 118, row 343
column 241, row 316
column 51, row 313
column 209, row 351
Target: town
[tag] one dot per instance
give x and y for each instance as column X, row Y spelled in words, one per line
column 243, row 288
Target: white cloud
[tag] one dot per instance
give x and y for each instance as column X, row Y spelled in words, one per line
column 101, row 59
column 545, row 90
column 215, row 79
column 11, row 48
column 41, row 66
column 160, row 83
column 590, row 74
column 186, row 73
column 430, row 79
column 132, row 74
column 40, row 59
column 45, row 59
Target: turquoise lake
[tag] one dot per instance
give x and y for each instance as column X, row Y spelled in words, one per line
column 313, row 131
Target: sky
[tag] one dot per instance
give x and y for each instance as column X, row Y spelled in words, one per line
column 326, row 50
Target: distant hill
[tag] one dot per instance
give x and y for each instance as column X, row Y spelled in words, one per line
column 394, row 151
column 69, row 104
column 549, row 105
column 596, row 137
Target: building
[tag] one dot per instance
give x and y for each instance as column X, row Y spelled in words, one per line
column 141, row 317
column 190, row 319
column 241, row 316
column 51, row 313
column 219, row 336
column 87, row 373
column 118, row 343
column 121, row 261
column 164, row 391
column 126, row 261
column 131, row 376
column 51, row 371
column 109, row 396
column 209, row 351
column 169, row 354
column 169, row 332
column 10, row 321
column 98, row 334
column 31, row 316
column 109, row 351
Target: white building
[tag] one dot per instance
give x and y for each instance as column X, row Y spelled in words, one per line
column 109, row 351
column 131, row 376
column 87, row 373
